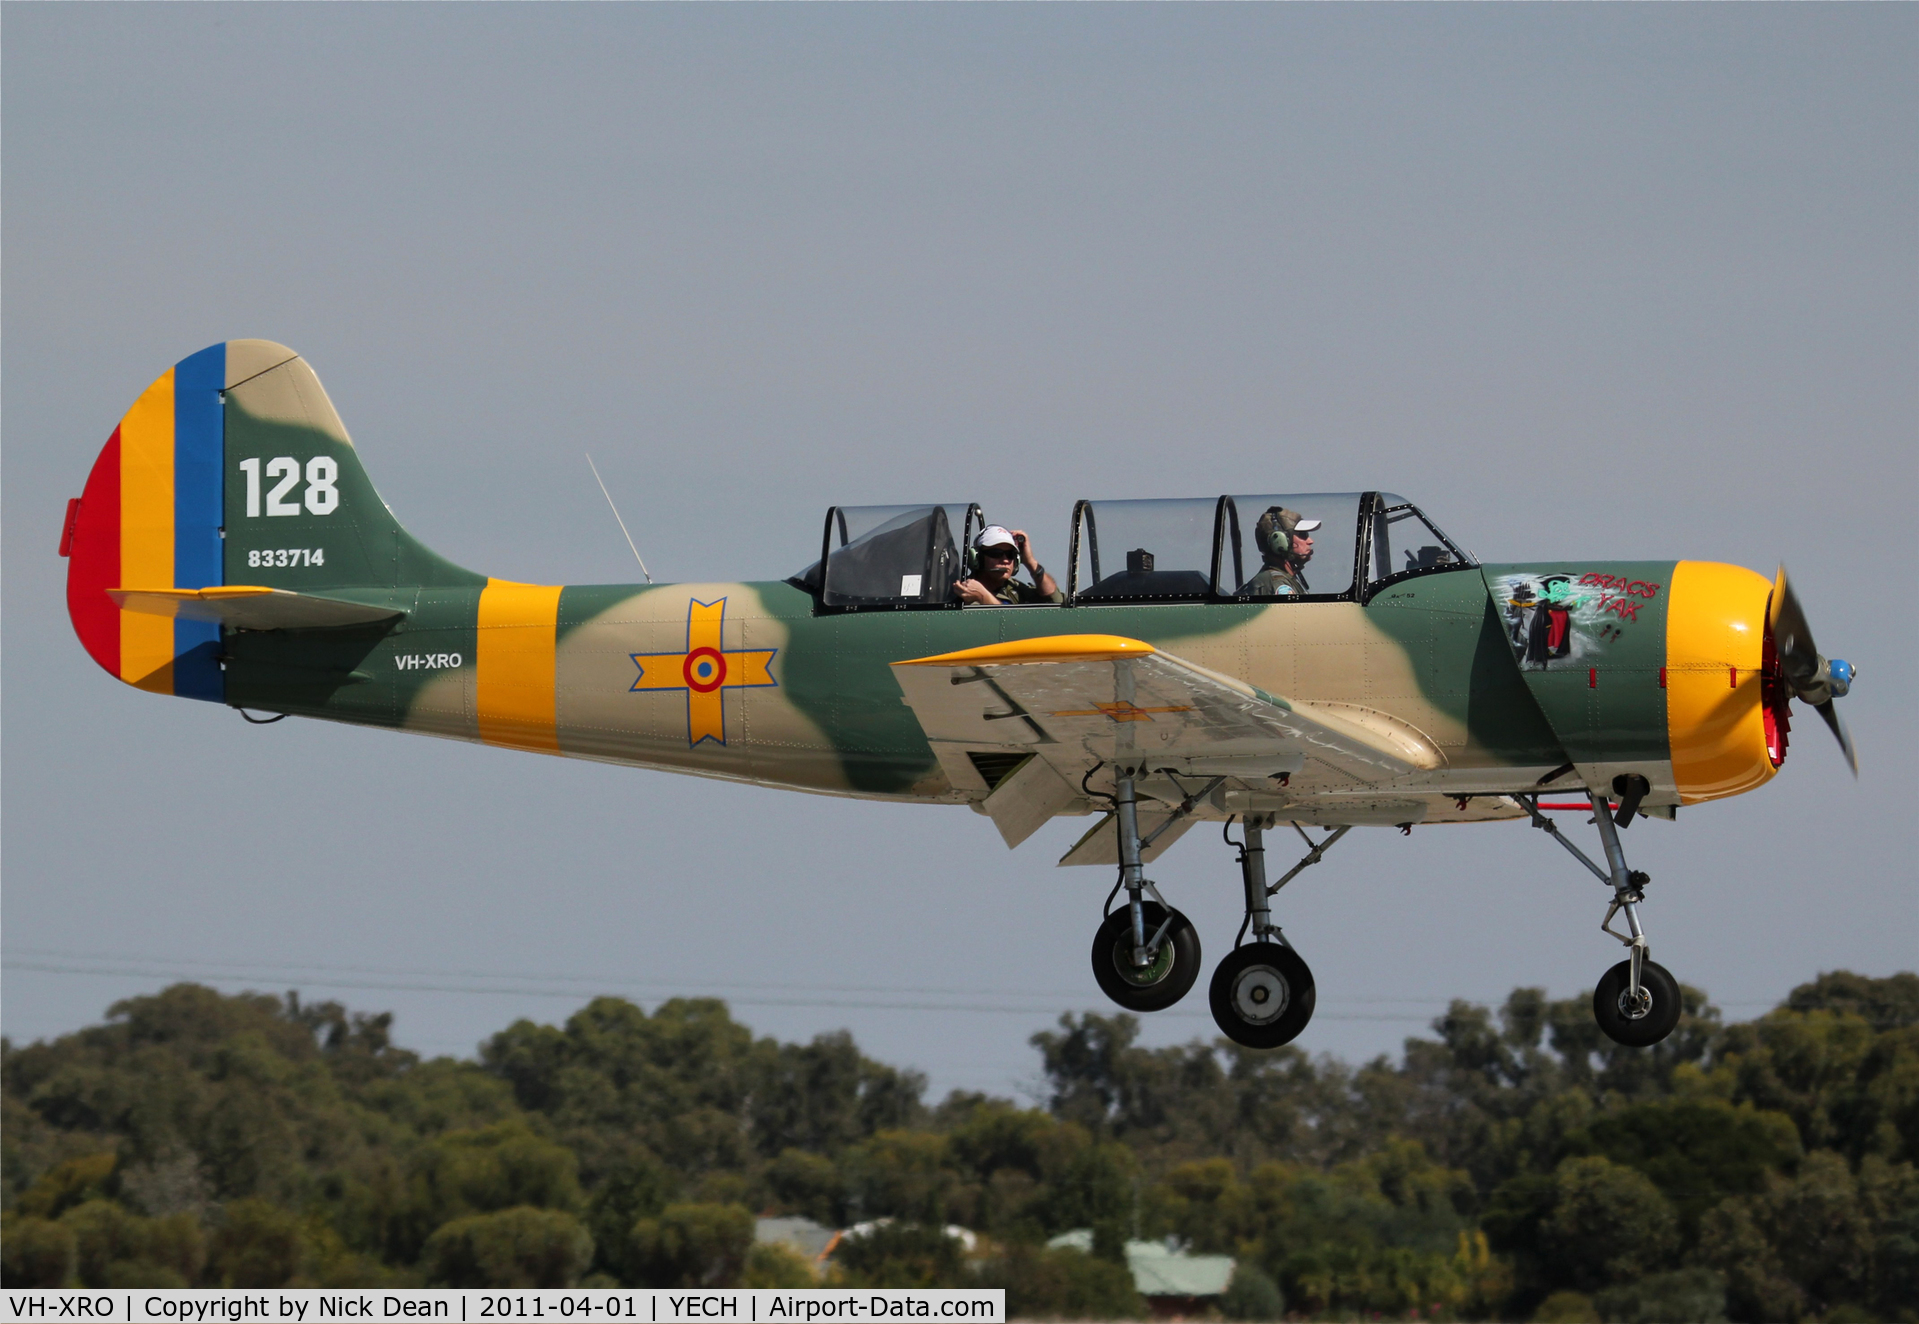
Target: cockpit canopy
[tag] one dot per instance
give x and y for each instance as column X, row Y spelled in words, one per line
column 893, row 556
column 1256, row 532
column 1142, row 551
column 1312, row 546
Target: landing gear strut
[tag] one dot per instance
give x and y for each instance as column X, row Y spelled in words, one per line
column 1146, row 954
column 1637, row 1002
column 1262, row 994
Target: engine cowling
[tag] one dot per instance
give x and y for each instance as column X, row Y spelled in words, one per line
column 1727, row 717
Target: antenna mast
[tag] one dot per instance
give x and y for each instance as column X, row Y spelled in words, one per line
column 616, row 515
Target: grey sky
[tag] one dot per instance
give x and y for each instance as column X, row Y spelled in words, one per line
column 1613, row 281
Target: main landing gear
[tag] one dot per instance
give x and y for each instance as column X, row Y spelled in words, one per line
column 1146, row 955
column 1637, row 1002
column 1262, row 993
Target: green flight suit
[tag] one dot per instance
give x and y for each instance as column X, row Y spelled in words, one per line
column 1017, row 594
column 1274, row 582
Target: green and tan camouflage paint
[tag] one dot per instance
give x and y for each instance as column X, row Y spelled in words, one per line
column 553, row 669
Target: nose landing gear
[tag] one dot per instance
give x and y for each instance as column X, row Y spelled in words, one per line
column 1637, row 1002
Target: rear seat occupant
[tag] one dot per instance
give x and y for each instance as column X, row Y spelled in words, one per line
column 997, row 554
column 1285, row 546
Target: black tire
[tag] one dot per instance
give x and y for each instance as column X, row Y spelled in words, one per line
column 1652, row 1023
column 1159, row 985
column 1262, row 995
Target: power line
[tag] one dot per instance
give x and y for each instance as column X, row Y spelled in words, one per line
column 395, row 986
column 281, row 972
column 592, row 980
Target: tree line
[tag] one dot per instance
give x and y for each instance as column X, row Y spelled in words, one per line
column 1512, row 1165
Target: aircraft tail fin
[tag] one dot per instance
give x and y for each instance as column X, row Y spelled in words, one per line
column 231, row 469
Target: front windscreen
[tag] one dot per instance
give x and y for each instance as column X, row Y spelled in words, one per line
column 1288, row 545
column 893, row 555
column 1133, row 551
column 1405, row 541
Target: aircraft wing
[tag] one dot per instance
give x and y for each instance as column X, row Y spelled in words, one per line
column 1079, row 701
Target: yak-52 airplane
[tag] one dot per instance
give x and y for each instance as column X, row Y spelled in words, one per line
column 229, row 547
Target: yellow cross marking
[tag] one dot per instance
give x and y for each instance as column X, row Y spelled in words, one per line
column 1123, row 711
column 705, row 670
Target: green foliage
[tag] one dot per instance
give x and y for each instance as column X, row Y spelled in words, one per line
column 900, row 1174
column 1606, row 1223
column 1696, row 1151
column 806, row 1184
column 1588, row 1224
column 824, row 1096
column 1061, row 1283
column 1695, row 1296
column 692, row 1245
column 772, row 1265
column 1513, row 1163
column 497, row 1167
column 1807, row 1245
column 634, row 1186
column 113, row 1245
column 901, row 1254
column 1568, row 1308
column 518, row 1247
column 1252, row 1296
column 36, row 1252
column 257, row 1244
column 70, row 1183
column 1887, row 1004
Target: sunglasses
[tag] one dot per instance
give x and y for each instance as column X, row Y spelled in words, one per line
column 999, row 553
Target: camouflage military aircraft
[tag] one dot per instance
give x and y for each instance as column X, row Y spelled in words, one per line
column 229, row 547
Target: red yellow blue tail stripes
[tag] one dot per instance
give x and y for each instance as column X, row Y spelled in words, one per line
column 705, row 671
column 150, row 518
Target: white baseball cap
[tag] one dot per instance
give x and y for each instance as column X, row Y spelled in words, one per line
column 994, row 535
column 1306, row 526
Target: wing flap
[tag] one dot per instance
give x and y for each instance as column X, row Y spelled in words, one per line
column 1100, row 844
column 249, row 607
column 1026, row 798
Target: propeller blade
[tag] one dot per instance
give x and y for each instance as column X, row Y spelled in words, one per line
column 1813, row 679
column 1839, row 731
column 1798, row 655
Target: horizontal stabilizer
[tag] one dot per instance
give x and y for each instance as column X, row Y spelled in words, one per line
column 249, row 607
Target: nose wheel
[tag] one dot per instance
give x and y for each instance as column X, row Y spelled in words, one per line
column 1637, row 1019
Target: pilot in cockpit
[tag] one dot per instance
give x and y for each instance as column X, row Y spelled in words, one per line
column 997, row 554
column 1285, row 546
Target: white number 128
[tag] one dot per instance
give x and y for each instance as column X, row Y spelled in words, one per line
column 321, row 497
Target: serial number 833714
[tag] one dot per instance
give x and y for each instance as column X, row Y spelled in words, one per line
column 285, row 556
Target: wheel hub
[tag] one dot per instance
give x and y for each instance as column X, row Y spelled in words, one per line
column 1142, row 976
column 1260, row 995
column 1635, row 1008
